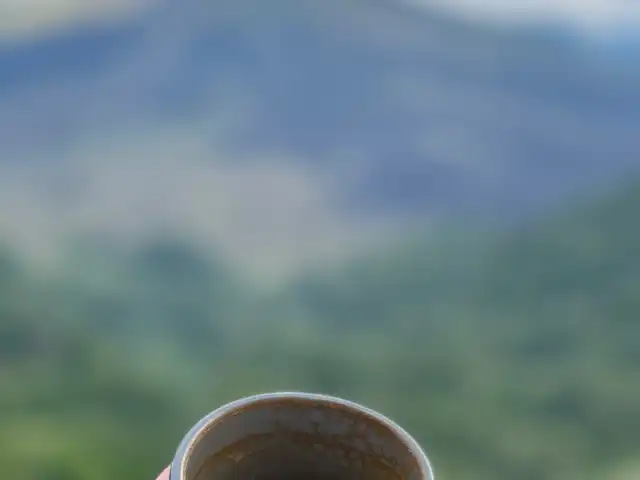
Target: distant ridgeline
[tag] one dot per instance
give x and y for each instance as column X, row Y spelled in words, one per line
column 519, row 359
column 419, row 111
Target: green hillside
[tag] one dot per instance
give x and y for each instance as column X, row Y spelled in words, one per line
column 511, row 358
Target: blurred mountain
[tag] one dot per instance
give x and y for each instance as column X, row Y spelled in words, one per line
column 400, row 111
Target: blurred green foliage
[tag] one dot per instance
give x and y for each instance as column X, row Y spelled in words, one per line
column 514, row 357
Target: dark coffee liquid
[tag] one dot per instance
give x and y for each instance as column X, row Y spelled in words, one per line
column 296, row 456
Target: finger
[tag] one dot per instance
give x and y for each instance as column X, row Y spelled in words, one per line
column 164, row 475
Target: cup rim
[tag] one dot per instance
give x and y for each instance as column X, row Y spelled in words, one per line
column 178, row 465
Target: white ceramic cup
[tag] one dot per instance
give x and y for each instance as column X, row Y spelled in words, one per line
column 298, row 436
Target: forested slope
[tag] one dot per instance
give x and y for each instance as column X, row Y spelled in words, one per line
column 516, row 357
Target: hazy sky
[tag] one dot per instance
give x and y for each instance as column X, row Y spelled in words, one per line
column 20, row 18
column 24, row 18
column 594, row 15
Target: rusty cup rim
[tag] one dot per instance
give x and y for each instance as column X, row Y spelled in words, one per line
column 178, row 465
